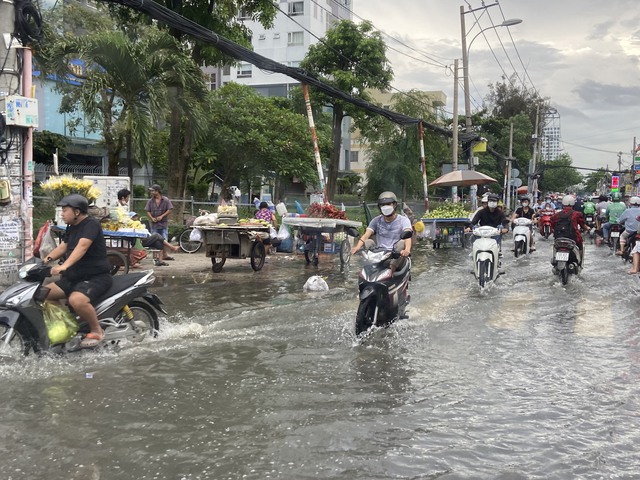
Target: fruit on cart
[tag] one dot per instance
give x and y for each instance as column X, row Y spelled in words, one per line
column 453, row 210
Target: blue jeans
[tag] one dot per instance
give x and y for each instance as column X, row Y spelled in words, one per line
column 164, row 231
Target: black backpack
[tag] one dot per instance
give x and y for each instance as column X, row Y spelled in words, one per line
column 564, row 227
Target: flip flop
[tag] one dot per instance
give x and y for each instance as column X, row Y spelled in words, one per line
column 168, row 258
column 632, row 273
column 91, row 340
column 160, row 263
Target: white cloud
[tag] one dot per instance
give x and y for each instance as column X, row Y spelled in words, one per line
column 582, row 54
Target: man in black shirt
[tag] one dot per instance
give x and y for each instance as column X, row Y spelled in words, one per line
column 84, row 271
column 491, row 215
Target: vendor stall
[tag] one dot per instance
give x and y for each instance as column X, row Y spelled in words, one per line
column 329, row 235
column 235, row 241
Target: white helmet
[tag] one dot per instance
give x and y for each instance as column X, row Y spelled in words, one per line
column 634, row 201
column 568, row 200
column 485, row 198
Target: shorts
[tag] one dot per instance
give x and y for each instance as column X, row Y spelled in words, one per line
column 636, row 249
column 94, row 288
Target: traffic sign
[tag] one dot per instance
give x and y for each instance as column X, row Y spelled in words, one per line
column 516, row 182
column 515, row 172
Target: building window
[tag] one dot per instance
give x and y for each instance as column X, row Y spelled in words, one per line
column 262, row 36
column 244, row 70
column 276, row 35
column 243, row 14
column 295, row 63
column 210, row 78
column 295, row 38
column 226, row 70
column 353, row 156
column 296, row 8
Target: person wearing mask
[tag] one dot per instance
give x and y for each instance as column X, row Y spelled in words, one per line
column 491, row 216
column 629, row 219
column 483, row 204
column 614, row 210
column 567, row 223
column 524, row 211
column 388, row 227
column 158, row 209
column 84, row 269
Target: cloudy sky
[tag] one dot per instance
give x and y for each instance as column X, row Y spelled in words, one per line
column 581, row 54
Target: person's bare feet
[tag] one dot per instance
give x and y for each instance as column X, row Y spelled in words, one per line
column 632, row 272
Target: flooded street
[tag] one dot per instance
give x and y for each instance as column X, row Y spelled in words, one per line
column 256, row 379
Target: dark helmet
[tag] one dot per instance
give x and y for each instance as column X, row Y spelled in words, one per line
column 387, row 198
column 75, row 201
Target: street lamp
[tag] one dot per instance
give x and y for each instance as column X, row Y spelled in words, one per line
column 465, row 72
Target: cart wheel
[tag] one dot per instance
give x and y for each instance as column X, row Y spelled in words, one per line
column 119, row 263
column 187, row 245
column 218, row 262
column 258, row 254
column 345, row 251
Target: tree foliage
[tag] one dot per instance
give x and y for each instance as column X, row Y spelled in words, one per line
column 352, row 58
column 45, row 144
column 559, row 175
column 395, row 151
column 594, row 180
column 251, row 136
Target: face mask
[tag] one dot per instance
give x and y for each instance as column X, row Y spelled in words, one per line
column 386, row 210
column 493, row 204
column 525, row 204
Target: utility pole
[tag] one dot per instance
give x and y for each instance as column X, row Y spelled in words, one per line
column 454, row 163
column 532, row 163
column 467, row 106
column 509, row 166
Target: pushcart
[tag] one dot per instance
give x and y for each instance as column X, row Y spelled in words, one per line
column 311, row 230
column 235, row 241
column 446, row 231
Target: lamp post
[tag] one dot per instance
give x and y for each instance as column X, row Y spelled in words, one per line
column 465, row 78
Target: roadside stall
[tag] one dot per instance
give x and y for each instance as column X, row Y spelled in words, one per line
column 224, row 236
column 326, row 235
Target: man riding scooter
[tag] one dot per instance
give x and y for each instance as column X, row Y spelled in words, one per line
column 524, row 211
column 491, row 216
column 630, row 222
column 574, row 223
column 614, row 210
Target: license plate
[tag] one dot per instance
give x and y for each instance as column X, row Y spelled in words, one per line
column 562, row 256
column 589, row 219
column 615, row 234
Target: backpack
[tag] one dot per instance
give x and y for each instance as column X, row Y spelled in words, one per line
column 564, row 226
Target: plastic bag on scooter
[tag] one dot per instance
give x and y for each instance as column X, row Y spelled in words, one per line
column 60, row 322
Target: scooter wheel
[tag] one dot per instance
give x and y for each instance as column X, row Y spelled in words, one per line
column 365, row 317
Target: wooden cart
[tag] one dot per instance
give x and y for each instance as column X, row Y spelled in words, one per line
column 312, row 229
column 235, row 241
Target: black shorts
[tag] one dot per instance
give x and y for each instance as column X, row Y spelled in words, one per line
column 94, row 287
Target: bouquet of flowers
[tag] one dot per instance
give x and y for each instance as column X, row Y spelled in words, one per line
column 60, row 187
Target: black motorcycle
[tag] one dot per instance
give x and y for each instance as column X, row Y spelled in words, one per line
column 384, row 295
column 566, row 259
column 127, row 312
column 627, row 255
column 590, row 221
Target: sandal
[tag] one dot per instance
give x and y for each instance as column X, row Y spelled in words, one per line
column 91, row 340
column 168, row 258
column 160, row 263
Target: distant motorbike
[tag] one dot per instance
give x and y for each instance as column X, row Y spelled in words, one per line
column 521, row 236
column 383, row 296
column 486, row 255
column 614, row 236
column 627, row 254
column 566, row 259
column 544, row 224
column 590, row 221
column 127, row 312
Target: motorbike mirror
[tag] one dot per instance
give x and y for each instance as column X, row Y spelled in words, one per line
column 406, row 234
column 353, row 232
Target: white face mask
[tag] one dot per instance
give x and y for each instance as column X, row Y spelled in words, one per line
column 387, row 210
column 525, row 204
column 493, row 204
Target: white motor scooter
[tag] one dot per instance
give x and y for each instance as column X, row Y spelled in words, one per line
column 522, row 236
column 486, row 255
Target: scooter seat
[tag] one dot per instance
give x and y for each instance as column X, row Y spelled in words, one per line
column 120, row 283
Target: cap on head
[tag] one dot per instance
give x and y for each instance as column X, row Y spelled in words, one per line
column 75, row 201
column 155, row 187
column 492, row 197
column 634, row 201
column 132, row 214
column 387, row 198
column 568, row 201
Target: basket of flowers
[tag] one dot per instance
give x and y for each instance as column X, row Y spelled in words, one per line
column 61, row 186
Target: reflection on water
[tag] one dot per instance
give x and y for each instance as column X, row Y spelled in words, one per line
column 261, row 380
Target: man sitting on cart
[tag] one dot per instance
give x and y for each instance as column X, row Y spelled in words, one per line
column 388, row 228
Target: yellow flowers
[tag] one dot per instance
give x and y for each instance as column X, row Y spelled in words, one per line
column 60, row 187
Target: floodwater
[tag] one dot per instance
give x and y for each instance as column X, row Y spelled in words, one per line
column 259, row 380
